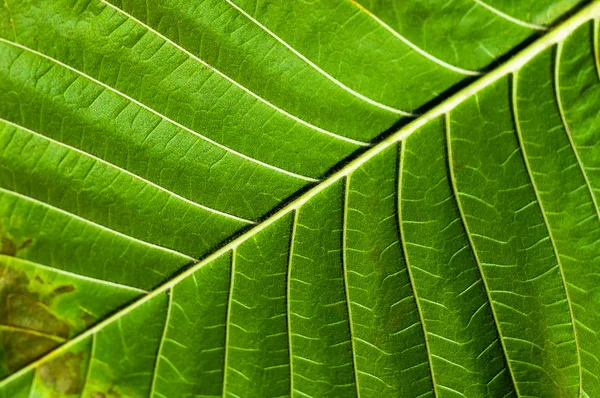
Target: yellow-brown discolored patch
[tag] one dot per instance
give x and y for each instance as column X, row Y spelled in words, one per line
column 9, row 248
column 64, row 374
column 28, row 326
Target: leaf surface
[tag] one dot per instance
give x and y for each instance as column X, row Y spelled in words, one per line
column 453, row 255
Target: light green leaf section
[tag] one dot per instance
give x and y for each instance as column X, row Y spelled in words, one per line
column 47, row 235
column 51, row 172
column 533, row 11
column 124, row 354
column 192, row 355
column 256, row 337
column 43, row 307
column 456, row 257
column 19, row 388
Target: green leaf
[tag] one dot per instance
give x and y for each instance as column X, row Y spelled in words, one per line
column 328, row 198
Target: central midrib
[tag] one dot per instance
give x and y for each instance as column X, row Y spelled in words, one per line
column 551, row 38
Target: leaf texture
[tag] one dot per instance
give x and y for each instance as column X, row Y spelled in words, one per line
column 457, row 256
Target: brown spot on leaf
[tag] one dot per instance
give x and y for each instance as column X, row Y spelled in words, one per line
column 63, row 289
column 114, row 393
column 21, row 348
column 24, row 310
column 64, row 374
column 8, row 247
column 32, row 328
column 26, row 243
column 110, row 393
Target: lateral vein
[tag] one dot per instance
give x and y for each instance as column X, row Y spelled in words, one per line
column 228, row 322
column 100, row 226
column 318, row 68
column 74, row 275
column 510, row 18
column 414, row 46
column 596, row 38
column 546, row 224
column 156, row 113
column 469, row 234
column 565, row 124
column 346, row 284
column 162, row 342
column 411, row 277
column 288, row 292
column 120, row 169
column 20, row 329
column 235, row 83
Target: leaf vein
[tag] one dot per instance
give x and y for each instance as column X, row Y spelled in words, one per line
column 156, row 113
column 233, row 82
column 316, row 67
column 129, row 173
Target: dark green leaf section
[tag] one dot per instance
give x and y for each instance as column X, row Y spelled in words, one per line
column 466, row 352
column 578, row 79
column 427, row 30
column 388, row 336
column 565, row 193
column 534, row 11
column 355, row 49
column 257, row 329
column 320, row 334
column 524, row 280
column 431, row 25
